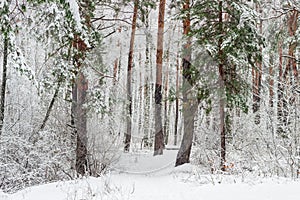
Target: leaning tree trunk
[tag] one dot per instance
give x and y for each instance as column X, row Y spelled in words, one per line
column 159, row 136
column 50, row 107
column 3, row 84
column 190, row 103
column 129, row 77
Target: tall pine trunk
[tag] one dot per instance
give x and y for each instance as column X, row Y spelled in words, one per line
column 3, row 84
column 271, row 81
column 81, row 125
column 129, row 77
column 190, row 103
column 159, row 136
column 256, row 80
column 292, row 29
column 222, row 100
column 81, row 87
column 79, row 113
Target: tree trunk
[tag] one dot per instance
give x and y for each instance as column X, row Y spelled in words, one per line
column 280, row 92
column 3, row 84
column 50, row 106
column 256, row 81
column 81, row 125
column 81, row 85
column 147, row 90
column 159, row 136
column 292, row 28
column 176, row 103
column 222, row 88
column 190, row 103
column 129, row 77
column 166, row 93
column 271, row 81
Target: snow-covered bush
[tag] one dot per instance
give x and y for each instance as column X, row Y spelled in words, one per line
column 25, row 161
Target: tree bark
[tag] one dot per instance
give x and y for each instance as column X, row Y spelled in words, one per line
column 280, row 89
column 256, row 80
column 79, row 113
column 81, row 86
column 159, row 136
column 3, row 84
column 271, row 82
column 166, row 94
column 176, row 103
column 81, row 125
column 129, row 77
column 190, row 103
column 222, row 88
column 147, row 89
column 292, row 29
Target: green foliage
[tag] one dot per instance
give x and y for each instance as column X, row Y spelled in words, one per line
column 5, row 22
column 144, row 8
column 240, row 42
column 172, row 94
column 203, row 96
column 62, row 27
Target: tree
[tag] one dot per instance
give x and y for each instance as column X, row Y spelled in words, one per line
column 7, row 29
column 227, row 31
column 4, row 80
column 176, row 102
column 190, row 104
column 129, row 78
column 257, row 76
column 288, row 75
column 159, row 136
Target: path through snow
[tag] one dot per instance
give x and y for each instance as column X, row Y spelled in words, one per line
column 140, row 176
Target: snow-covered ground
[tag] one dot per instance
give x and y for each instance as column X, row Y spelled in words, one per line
column 140, row 176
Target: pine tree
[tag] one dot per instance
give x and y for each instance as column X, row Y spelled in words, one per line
column 159, row 136
column 129, row 78
column 227, row 31
column 190, row 105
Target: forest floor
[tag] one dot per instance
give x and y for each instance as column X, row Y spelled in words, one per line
column 140, row 176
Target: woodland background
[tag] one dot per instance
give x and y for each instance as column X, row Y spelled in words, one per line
column 83, row 81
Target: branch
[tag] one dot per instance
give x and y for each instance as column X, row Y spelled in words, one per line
column 103, row 28
column 122, row 20
column 291, row 57
column 281, row 12
column 102, row 74
column 110, row 34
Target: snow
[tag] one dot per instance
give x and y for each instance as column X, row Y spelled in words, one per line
column 74, row 8
column 139, row 175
